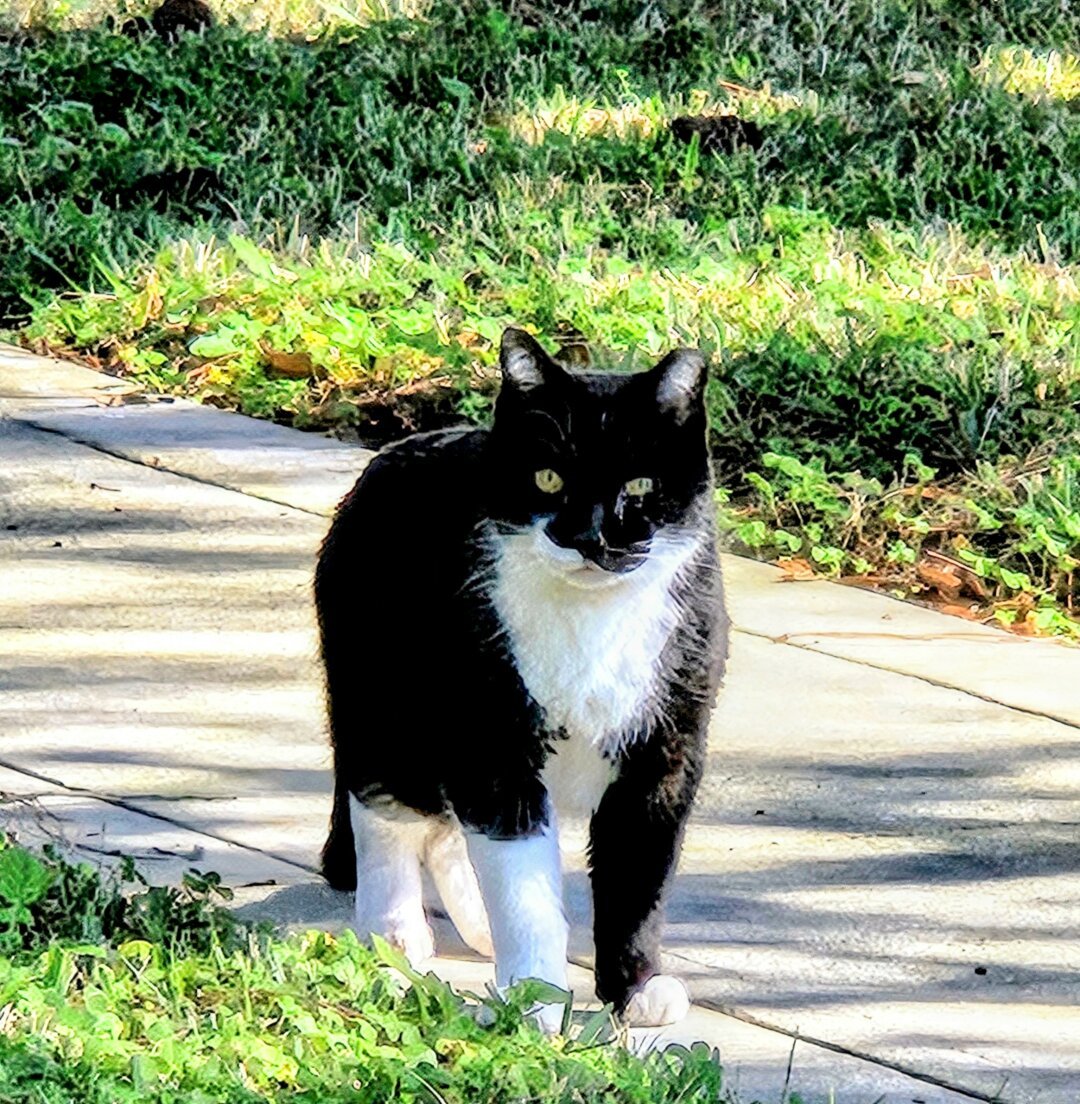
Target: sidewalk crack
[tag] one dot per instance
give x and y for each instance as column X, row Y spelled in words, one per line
column 785, row 639
column 837, row 1048
column 162, row 467
column 133, row 807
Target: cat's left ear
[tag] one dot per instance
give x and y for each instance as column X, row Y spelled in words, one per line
column 680, row 383
column 524, row 362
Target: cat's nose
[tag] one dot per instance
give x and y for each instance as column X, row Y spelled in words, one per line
column 583, row 533
column 591, row 546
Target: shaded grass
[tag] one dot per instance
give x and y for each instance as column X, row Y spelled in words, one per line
column 97, row 133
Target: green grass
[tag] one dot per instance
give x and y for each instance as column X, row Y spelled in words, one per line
column 895, row 117
column 332, row 233
column 197, row 1007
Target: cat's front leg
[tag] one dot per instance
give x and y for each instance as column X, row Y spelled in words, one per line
column 634, row 843
column 521, row 883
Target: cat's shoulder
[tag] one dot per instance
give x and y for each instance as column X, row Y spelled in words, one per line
column 424, row 472
column 456, row 445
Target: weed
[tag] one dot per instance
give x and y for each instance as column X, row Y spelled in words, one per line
column 46, row 898
column 1001, row 545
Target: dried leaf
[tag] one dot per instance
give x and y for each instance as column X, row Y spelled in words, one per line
column 940, row 578
column 969, row 579
column 924, row 492
column 290, row 365
column 796, row 570
column 968, row 613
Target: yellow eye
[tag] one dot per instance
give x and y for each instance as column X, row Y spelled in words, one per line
column 549, row 481
column 639, row 487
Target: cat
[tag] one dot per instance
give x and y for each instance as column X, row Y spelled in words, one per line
column 518, row 622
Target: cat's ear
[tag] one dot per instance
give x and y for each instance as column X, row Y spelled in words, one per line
column 524, row 362
column 680, row 383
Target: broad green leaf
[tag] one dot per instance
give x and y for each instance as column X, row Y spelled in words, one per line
column 252, row 257
column 534, row 990
column 596, row 1028
column 223, row 342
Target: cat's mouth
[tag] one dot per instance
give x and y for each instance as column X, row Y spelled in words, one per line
column 591, row 576
column 600, row 568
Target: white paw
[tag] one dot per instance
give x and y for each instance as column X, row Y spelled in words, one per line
column 412, row 937
column 661, row 1000
column 479, row 939
column 549, row 1017
column 415, row 939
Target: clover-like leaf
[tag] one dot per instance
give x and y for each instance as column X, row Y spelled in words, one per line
column 23, row 879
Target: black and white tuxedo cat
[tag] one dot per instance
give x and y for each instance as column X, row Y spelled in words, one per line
column 520, row 621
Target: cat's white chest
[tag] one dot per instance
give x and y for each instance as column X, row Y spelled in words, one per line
column 589, row 658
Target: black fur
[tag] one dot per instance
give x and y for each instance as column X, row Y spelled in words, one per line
column 425, row 703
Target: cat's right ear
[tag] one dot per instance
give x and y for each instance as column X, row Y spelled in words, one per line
column 524, row 362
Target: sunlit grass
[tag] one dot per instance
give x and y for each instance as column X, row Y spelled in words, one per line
column 305, row 18
column 644, row 116
column 817, row 280
column 1038, row 75
column 576, row 118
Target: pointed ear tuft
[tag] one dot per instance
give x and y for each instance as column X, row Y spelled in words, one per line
column 680, row 383
column 524, row 362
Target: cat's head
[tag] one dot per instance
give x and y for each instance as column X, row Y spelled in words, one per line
column 601, row 469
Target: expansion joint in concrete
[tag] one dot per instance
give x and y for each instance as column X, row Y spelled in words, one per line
column 787, row 640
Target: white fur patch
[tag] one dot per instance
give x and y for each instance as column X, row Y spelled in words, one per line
column 587, row 644
column 576, row 776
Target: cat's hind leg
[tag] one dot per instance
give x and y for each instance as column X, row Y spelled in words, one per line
column 338, row 863
column 447, row 859
column 389, row 900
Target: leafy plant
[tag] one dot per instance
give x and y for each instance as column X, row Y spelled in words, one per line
column 23, row 882
column 304, row 1018
column 1002, row 545
column 45, row 897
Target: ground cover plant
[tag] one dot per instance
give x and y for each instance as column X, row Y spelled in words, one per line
column 163, row 996
column 879, row 248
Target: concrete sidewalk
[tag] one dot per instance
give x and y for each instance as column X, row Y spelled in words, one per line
column 884, row 864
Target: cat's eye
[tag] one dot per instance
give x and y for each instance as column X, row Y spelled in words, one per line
column 639, row 487
column 549, row 481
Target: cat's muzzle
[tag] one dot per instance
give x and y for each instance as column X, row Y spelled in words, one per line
column 590, row 563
